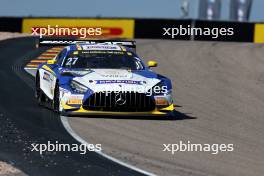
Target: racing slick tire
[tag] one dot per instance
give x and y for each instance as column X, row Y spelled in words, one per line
column 39, row 95
column 56, row 99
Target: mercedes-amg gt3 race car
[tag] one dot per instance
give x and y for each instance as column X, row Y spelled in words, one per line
column 102, row 78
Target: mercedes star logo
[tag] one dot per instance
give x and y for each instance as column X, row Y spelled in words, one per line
column 120, row 99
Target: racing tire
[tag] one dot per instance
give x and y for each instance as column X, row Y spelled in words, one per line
column 39, row 93
column 56, row 100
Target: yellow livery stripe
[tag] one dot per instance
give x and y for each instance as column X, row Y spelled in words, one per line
column 45, row 67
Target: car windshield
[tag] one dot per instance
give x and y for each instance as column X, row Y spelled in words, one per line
column 103, row 60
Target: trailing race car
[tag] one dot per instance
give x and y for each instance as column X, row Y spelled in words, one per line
column 102, row 77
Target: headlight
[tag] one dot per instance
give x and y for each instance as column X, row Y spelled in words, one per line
column 164, row 100
column 78, row 87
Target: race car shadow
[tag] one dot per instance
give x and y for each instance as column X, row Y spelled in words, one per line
column 182, row 116
column 176, row 116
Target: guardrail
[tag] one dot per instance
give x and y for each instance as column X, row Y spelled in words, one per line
column 141, row 28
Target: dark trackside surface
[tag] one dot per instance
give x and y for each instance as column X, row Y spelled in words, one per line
column 23, row 122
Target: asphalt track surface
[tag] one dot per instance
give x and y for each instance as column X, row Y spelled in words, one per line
column 219, row 88
column 23, row 122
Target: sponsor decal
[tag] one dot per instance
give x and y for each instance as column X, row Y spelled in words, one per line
column 100, row 47
column 120, row 28
column 103, row 52
column 118, row 81
column 46, row 77
column 74, row 99
column 113, row 74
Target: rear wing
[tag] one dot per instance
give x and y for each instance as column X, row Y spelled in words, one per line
column 65, row 42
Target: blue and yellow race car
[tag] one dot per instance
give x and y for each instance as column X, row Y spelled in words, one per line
column 101, row 77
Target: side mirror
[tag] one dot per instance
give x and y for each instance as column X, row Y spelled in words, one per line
column 152, row 64
column 51, row 62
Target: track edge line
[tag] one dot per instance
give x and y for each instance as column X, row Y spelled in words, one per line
column 68, row 128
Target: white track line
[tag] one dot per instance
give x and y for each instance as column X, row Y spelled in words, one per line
column 67, row 126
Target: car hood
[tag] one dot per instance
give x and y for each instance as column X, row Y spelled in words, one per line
column 118, row 80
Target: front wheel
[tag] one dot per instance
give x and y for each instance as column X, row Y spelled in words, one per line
column 39, row 93
column 56, row 100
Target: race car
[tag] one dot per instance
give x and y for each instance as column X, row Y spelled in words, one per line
column 102, row 78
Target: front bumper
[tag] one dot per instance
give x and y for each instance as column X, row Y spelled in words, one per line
column 167, row 111
column 72, row 104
